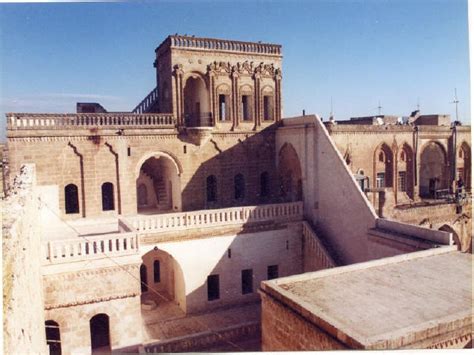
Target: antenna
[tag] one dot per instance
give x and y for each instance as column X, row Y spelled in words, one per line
column 379, row 108
column 456, row 102
column 418, row 104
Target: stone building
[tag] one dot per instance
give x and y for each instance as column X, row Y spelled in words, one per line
column 415, row 169
column 181, row 207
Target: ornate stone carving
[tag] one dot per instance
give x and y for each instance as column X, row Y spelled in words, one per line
column 220, row 68
column 246, row 68
column 267, row 70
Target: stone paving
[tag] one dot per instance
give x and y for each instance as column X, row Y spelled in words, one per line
column 166, row 321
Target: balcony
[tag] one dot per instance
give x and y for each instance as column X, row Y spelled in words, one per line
column 89, row 239
column 282, row 212
column 46, row 121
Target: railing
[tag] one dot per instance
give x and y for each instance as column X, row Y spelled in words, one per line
column 320, row 259
column 198, row 120
column 219, row 44
column 147, row 102
column 19, row 121
column 220, row 217
column 81, row 248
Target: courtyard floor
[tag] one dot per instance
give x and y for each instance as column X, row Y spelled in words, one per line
column 166, row 321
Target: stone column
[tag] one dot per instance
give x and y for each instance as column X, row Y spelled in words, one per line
column 235, row 97
column 212, row 97
column 395, row 172
column 258, row 113
column 277, row 95
column 178, row 74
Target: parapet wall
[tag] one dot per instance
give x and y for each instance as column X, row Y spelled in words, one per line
column 23, row 316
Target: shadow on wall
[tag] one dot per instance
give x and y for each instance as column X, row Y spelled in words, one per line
column 244, row 174
column 223, row 270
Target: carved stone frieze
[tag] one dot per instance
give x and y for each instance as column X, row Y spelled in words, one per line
column 220, row 68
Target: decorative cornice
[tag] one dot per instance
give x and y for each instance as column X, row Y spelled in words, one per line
column 48, row 307
column 452, row 342
column 92, row 272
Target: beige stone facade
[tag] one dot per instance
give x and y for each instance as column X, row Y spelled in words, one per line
column 181, row 208
column 411, row 172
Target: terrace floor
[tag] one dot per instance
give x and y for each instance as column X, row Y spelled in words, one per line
column 166, row 321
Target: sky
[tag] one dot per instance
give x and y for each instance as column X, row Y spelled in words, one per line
column 356, row 54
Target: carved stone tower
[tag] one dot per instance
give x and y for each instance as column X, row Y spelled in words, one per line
column 227, row 85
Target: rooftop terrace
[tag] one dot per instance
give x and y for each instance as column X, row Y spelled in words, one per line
column 385, row 304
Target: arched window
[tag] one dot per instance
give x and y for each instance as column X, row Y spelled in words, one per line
column 108, row 196
column 143, row 278
column 211, row 188
column 71, row 198
column 264, row 184
column 53, row 337
column 402, row 156
column 460, row 153
column 156, row 271
column 239, row 187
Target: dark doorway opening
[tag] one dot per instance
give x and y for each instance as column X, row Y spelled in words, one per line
column 100, row 333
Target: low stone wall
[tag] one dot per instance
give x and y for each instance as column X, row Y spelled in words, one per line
column 285, row 330
column 204, row 340
column 23, row 316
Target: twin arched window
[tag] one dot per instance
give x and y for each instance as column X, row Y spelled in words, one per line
column 71, row 198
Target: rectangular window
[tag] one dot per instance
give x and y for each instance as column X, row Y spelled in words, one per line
column 213, row 287
column 246, row 107
column 272, row 272
column 402, row 180
column 380, row 182
column 267, row 108
column 460, row 174
column 223, row 114
column 247, row 281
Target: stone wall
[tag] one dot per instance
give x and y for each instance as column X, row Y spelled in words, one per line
column 326, row 195
column 227, row 255
column 76, row 292
column 23, row 316
column 88, row 160
column 285, row 330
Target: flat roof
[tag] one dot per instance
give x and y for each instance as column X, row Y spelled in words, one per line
column 385, row 303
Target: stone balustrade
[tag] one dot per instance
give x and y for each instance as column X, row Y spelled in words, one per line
column 226, row 45
column 147, row 102
column 218, row 217
column 27, row 121
column 321, row 258
column 83, row 248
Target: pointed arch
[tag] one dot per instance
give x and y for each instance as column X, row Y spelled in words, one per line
column 433, row 169
column 290, row 173
column 383, row 166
